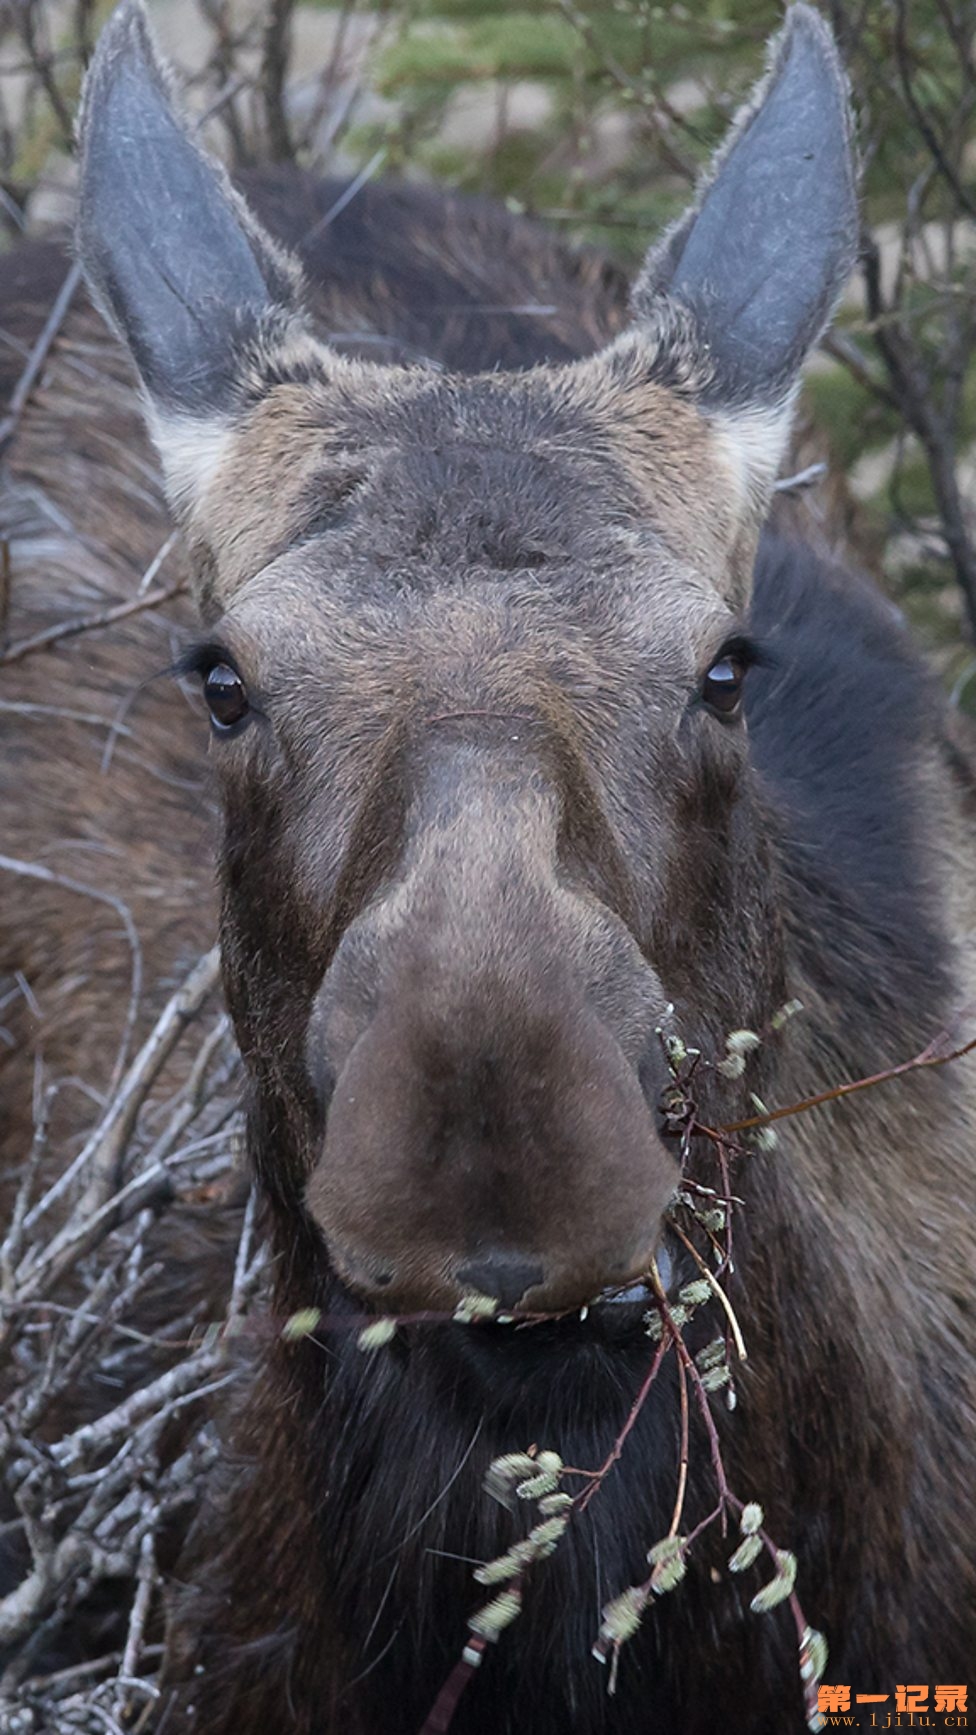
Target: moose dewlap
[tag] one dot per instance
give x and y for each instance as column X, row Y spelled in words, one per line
column 569, row 817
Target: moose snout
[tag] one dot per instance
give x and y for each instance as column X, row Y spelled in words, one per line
column 487, row 1130
column 501, row 1274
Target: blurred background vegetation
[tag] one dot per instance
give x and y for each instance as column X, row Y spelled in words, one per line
column 596, row 115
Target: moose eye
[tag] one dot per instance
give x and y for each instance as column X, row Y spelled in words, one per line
column 722, row 686
column 226, row 696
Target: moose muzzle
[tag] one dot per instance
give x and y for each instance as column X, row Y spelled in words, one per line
column 485, row 1041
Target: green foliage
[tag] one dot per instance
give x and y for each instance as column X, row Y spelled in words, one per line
column 853, row 419
column 511, row 45
column 591, row 62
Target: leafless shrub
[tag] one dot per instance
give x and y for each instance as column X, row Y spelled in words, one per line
column 89, row 1497
column 246, row 87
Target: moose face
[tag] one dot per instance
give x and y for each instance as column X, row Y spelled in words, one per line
column 479, row 713
column 474, row 659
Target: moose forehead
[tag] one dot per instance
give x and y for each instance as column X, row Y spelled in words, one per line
column 370, row 485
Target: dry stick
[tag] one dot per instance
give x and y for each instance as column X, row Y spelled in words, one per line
column 4, row 589
column 223, row 98
column 89, row 1223
column 21, row 1609
column 41, row 61
column 222, row 62
column 96, row 1665
column 86, row 1546
column 186, row 1381
column 83, row 28
column 274, row 67
column 146, row 1583
column 161, row 554
column 909, row 373
column 244, row 1268
column 87, row 1328
column 13, row 1240
column 844, row 350
column 961, row 39
column 86, row 1228
column 802, row 479
column 346, row 197
column 82, row 1316
column 338, row 91
column 908, row 75
column 63, row 713
column 106, row 1144
column 91, row 623
column 38, row 354
column 35, row 871
column 190, row 1097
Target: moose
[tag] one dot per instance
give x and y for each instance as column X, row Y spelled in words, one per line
column 549, row 752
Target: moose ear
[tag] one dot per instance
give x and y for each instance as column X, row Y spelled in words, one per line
column 170, row 251
column 749, row 276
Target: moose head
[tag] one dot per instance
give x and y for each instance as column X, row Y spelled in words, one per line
column 475, row 652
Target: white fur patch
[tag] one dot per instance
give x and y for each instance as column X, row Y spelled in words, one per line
column 753, row 442
column 191, row 450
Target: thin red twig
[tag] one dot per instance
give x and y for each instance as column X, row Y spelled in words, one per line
column 928, row 1057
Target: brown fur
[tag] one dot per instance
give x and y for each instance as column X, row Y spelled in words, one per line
column 476, row 835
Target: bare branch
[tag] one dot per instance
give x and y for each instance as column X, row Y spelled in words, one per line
column 105, row 617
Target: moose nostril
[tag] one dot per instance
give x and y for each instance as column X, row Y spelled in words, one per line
column 504, row 1276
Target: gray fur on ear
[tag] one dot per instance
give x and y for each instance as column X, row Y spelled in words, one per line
column 743, row 285
column 170, row 251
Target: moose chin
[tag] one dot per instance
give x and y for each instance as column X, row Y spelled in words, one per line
column 557, row 768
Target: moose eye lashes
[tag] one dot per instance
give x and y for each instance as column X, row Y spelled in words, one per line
column 199, row 659
column 224, row 688
column 720, row 691
column 226, row 697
